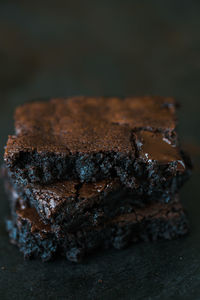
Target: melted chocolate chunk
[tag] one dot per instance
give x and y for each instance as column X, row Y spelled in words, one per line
column 154, row 146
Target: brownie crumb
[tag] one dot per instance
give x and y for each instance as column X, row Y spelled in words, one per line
column 100, row 280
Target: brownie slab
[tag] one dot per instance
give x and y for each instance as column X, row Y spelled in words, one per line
column 73, row 205
column 90, row 139
column 69, row 204
column 36, row 239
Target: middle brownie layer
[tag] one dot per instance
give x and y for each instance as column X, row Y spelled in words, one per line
column 73, row 205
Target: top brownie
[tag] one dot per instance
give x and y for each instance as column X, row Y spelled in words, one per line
column 89, row 139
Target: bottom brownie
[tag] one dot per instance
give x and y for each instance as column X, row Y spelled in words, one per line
column 36, row 239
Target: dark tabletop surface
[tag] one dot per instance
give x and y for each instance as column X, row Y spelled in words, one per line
column 57, row 48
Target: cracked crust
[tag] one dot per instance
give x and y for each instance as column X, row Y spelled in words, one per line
column 90, row 139
column 68, row 203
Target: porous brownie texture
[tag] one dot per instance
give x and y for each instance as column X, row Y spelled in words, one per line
column 91, row 139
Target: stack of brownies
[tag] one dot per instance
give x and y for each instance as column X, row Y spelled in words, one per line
column 90, row 173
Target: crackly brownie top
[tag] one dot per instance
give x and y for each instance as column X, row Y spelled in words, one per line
column 152, row 211
column 85, row 124
column 53, row 197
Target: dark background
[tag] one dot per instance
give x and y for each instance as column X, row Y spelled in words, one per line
column 63, row 48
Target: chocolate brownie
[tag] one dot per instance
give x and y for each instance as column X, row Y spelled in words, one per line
column 90, row 139
column 73, row 205
column 36, row 239
column 70, row 204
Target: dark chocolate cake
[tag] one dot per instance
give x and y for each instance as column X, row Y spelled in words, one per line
column 87, row 173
